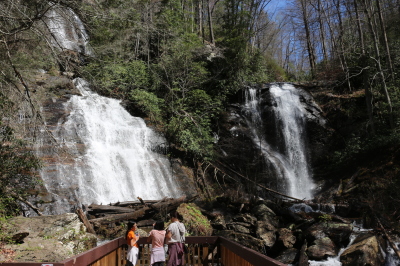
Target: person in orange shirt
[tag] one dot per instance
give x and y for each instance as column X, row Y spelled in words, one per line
column 132, row 237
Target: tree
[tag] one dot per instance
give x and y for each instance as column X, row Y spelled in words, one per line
column 18, row 167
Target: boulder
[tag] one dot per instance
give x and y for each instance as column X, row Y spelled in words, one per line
column 364, row 251
column 244, row 239
column 321, row 249
column 288, row 256
column 239, row 227
column 48, row 238
column 286, row 238
column 266, row 232
column 339, row 233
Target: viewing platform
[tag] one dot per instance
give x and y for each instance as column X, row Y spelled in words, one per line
column 203, row 251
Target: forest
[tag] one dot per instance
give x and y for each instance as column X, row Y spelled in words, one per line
column 180, row 63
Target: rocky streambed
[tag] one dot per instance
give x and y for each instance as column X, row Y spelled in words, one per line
column 289, row 233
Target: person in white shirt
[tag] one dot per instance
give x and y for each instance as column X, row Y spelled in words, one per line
column 175, row 237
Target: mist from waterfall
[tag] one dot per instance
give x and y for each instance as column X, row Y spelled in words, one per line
column 290, row 164
column 115, row 158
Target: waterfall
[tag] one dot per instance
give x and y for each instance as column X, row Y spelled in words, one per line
column 114, row 155
column 104, row 154
column 67, row 30
column 290, row 163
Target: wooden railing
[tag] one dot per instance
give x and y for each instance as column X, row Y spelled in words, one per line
column 203, row 251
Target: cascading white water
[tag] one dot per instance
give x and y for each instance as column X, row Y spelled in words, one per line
column 67, row 30
column 117, row 161
column 106, row 154
column 290, row 165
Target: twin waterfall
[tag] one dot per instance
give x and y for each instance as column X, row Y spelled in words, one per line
column 109, row 156
column 289, row 162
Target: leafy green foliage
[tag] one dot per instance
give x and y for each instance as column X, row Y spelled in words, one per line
column 151, row 55
column 17, row 165
column 17, row 171
column 119, row 78
column 149, row 103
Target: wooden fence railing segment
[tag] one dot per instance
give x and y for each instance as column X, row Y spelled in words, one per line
column 95, row 254
column 252, row 257
column 30, row 263
column 203, row 251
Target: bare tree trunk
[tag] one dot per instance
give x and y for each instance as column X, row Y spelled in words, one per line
column 386, row 43
column 321, row 29
column 210, row 22
column 378, row 60
column 365, row 72
column 341, row 43
column 310, row 48
column 200, row 18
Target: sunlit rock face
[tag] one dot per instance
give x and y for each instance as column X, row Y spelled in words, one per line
column 266, row 136
column 47, row 238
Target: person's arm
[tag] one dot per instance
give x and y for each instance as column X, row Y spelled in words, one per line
column 133, row 241
column 150, row 237
column 168, row 235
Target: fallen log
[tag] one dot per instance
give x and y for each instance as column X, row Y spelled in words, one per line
column 167, row 206
column 391, row 242
column 107, row 209
column 134, row 203
column 85, row 221
column 113, row 218
column 303, row 258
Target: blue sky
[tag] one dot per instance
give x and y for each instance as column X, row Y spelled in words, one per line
column 276, row 6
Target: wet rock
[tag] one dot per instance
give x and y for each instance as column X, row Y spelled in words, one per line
column 237, row 227
column 245, row 218
column 363, row 252
column 321, row 249
column 219, row 223
column 339, row 233
column 263, row 213
column 244, row 239
column 286, row 238
column 288, row 256
column 266, row 232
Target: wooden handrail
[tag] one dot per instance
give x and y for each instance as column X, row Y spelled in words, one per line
column 202, row 251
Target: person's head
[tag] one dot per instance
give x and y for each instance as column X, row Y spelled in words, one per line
column 159, row 225
column 131, row 226
column 175, row 216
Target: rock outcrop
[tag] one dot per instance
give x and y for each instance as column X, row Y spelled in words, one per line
column 46, row 238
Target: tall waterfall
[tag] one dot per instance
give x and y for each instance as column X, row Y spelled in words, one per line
column 290, row 163
column 104, row 155
column 114, row 156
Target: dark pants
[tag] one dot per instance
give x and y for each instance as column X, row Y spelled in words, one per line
column 160, row 263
